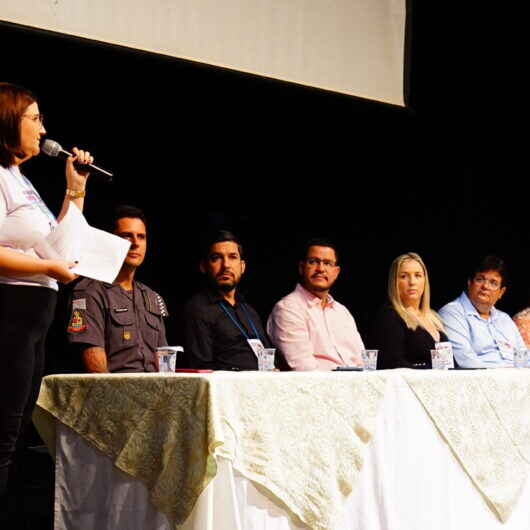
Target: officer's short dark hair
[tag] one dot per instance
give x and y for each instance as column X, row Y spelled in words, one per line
column 219, row 236
column 125, row 210
column 318, row 242
column 490, row 263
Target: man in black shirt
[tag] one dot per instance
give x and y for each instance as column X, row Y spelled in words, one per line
column 222, row 331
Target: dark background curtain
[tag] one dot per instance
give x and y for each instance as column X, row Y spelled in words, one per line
column 199, row 147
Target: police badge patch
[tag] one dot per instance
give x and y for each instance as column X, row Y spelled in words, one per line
column 77, row 324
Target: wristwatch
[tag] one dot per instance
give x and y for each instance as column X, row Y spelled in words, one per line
column 75, row 194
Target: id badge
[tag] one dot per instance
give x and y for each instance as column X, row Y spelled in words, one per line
column 506, row 350
column 256, row 345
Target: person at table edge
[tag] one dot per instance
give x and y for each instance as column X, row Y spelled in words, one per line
column 116, row 327
column 482, row 336
column 522, row 321
column 221, row 329
column 313, row 330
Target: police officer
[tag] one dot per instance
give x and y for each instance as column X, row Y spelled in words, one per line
column 117, row 327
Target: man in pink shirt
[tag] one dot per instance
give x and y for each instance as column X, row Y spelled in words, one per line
column 312, row 329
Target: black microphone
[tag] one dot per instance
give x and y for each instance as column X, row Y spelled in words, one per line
column 52, row 148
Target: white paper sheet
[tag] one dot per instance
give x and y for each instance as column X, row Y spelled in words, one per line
column 99, row 254
column 68, row 237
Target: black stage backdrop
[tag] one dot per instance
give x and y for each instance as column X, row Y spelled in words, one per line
column 199, row 147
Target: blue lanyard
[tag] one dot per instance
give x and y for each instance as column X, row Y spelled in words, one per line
column 237, row 323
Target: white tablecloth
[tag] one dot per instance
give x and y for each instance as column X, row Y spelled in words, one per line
column 410, row 480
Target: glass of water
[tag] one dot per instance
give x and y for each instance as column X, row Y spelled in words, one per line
column 520, row 358
column 266, row 359
column 369, row 358
column 438, row 360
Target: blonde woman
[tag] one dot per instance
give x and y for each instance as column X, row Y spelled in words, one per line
column 406, row 328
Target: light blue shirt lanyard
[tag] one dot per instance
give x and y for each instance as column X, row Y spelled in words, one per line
column 243, row 330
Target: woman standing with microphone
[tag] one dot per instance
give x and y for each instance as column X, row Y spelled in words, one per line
column 28, row 284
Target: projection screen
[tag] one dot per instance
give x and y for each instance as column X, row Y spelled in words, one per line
column 355, row 47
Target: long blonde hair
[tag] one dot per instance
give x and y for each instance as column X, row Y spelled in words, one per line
column 425, row 303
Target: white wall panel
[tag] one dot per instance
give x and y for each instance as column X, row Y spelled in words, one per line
column 350, row 46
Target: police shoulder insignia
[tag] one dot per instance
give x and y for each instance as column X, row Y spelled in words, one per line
column 77, row 323
column 162, row 306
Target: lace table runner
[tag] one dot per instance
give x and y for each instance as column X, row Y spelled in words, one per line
column 300, row 436
column 485, row 418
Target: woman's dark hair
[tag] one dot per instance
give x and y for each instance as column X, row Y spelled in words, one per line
column 491, row 263
column 219, row 236
column 14, row 101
